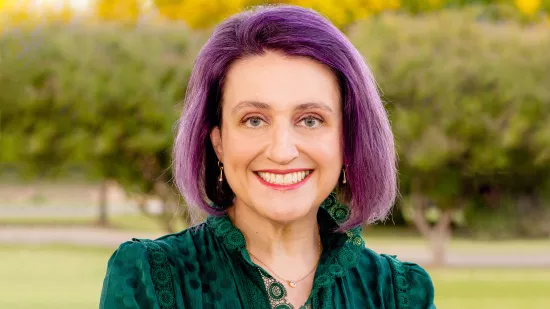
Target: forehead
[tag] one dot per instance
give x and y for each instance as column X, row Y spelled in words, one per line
column 281, row 80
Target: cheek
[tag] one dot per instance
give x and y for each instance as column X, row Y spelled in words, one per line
column 239, row 150
column 327, row 153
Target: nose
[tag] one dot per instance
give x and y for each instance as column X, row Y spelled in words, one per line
column 282, row 147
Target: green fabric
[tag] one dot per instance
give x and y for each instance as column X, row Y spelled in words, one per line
column 207, row 266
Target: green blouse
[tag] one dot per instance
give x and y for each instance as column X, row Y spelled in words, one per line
column 207, row 266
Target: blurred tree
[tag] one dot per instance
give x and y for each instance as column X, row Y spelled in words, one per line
column 4, row 5
column 66, row 106
column 420, row 6
column 461, row 117
column 101, row 98
column 14, row 13
column 200, row 13
column 63, row 13
column 29, row 13
column 206, row 13
column 343, row 13
column 127, row 11
column 528, row 7
column 170, row 9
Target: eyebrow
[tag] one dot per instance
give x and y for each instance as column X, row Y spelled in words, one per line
column 300, row 107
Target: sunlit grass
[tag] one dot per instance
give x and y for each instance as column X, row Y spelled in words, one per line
column 51, row 277
column 492, row 288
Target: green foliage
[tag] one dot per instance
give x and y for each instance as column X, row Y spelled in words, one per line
column 515, row 216
column 100, row 99
column 468, row 102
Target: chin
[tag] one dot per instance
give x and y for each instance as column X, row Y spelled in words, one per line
column 284, row 212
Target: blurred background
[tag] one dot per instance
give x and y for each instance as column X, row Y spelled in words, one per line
column 90, row 91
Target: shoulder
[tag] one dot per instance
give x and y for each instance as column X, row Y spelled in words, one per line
column 125, row 274
column 411, row 284
column 145, row 265
column 172, row 245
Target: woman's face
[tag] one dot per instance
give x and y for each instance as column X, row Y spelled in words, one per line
column 280, row 139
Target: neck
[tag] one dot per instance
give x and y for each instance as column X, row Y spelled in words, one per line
column 276, row 243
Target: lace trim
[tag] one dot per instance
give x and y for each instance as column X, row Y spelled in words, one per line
column 345, row 258
column 400, row 278
column 161, row 274
column 233, row 239
column 339, row 260
column 339, row 212
column 276, row 292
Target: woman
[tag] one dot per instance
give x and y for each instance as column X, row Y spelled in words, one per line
column 282, row 128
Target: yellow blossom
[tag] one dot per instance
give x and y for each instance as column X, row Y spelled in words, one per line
column 528, row 7
column 119, row 10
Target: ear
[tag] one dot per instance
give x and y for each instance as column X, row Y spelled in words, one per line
column 216, row 139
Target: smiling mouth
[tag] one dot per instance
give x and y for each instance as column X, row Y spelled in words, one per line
column 284, row 179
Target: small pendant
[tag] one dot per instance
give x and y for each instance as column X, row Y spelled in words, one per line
column 292, row 283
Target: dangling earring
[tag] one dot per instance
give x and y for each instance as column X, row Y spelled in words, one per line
column 344, row 180
column 220, row 179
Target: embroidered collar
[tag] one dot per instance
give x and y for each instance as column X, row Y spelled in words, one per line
column 340, row 250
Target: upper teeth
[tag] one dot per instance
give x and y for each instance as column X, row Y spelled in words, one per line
column 283, row 179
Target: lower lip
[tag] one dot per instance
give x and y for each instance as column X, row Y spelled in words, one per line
column 284, row 187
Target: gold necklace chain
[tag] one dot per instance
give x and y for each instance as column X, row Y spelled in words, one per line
column 292, row 283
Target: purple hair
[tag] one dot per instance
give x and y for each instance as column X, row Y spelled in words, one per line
column 369, row 151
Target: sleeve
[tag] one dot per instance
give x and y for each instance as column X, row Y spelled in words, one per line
column 413, row 287
column 128, row 283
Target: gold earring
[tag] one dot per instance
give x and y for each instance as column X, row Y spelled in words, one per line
column 344, row 180
column 220, row 179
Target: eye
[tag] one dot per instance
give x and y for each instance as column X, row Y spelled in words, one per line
column 311, row 122
column 253, row 122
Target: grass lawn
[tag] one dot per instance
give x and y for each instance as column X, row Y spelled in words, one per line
column 51, row 277
column 63, row 277
column 492, row 288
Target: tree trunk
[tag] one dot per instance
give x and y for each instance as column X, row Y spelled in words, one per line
column 437, row 235
column 419, row 215
column 103, row 200
column 438, row 246
column 440, row 236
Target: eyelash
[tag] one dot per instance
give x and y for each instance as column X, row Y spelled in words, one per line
column 312, row 117
column 246, row 119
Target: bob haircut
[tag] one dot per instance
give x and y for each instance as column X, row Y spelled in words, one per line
column 369, row 151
